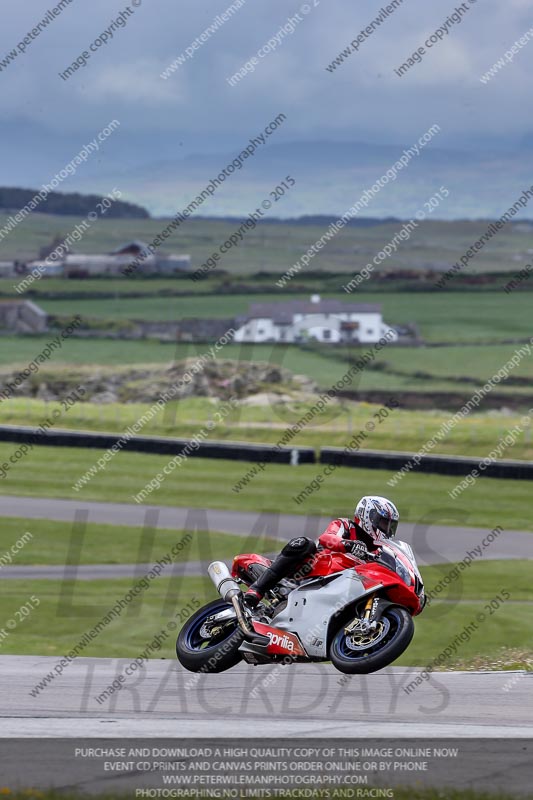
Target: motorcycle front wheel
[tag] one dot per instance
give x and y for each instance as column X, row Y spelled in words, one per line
column 204, row 645
column 359, row 652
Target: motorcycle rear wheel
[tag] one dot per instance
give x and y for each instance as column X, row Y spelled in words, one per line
column 359, row 654
column 198, row 651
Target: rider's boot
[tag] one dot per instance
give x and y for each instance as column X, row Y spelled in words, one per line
column 285, row 564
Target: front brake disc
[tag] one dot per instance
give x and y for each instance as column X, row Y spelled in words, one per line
column 362, row 640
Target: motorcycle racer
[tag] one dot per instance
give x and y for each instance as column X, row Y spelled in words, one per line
column 375, row 520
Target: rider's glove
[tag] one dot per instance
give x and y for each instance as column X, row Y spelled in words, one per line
column 358, row 549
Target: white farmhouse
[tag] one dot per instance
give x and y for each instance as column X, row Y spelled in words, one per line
column 327, row 321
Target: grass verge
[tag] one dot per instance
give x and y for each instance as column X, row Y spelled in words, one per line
column 63, row 542
column 52, row 472
column 402, row 430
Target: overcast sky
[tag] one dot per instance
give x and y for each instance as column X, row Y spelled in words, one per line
column 195, row 110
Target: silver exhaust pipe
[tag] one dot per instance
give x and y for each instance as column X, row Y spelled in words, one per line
column 229, row 590
column 225, row 585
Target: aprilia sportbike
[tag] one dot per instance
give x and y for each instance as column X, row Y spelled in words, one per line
column 357, row 614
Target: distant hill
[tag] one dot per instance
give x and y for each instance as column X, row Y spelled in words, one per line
column 73, row 204
column 320, row 220
column 330, row 177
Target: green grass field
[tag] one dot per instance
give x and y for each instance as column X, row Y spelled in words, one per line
column 440, row 317
column 402, row 430
column 67, row 609
column 56, row 542
column 18, row 351
column 52, row 472
column 276, row 246
column 484, row 579
column 460, row 370
column 102, row 287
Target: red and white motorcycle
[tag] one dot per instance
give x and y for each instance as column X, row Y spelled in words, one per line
column 356, row 614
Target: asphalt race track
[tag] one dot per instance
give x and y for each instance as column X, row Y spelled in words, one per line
column 305, row 700
column 311, row 700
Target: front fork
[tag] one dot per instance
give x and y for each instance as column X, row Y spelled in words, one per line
column 366, row 622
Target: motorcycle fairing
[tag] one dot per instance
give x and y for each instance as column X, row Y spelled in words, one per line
column 242, row 562
column 400, row 589
column 327, row 562
column 282, row 642
column 311, row 606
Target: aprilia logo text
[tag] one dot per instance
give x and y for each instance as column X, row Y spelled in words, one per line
column 280, row 641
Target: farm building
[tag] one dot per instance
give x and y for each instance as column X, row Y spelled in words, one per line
column 113, row 263
column 57, row 259
column 327, row 321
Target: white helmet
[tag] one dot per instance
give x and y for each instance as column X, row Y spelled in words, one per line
column 377, row 516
